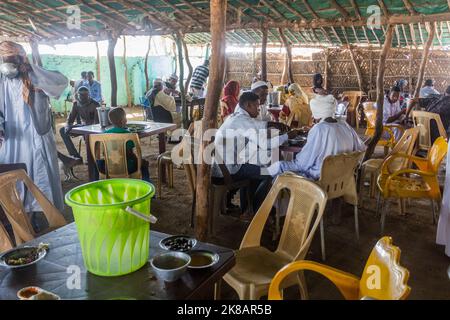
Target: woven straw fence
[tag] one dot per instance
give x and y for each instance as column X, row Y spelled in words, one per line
column 401, row 63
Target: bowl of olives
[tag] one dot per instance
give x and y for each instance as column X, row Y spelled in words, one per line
column 178, row 243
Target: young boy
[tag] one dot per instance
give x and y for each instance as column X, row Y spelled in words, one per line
column 118, row 118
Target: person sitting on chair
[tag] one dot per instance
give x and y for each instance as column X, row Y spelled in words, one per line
column 157, row 97
column 170, row 86
column 84, row 111
column 118, row 118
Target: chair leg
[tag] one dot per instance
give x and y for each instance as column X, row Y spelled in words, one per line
column 373, row 185
column 302, row 286
column 194, row 200
column 356, row 223
column 384, row 210
column 217, row 289
column 378, row 204
column 322, row 239
column 158, row 184
column 170, row 173
column 433, row 211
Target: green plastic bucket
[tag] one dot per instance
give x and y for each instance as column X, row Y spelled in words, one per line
column 113, row 241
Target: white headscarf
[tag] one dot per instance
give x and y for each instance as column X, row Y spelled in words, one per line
column 323, row 107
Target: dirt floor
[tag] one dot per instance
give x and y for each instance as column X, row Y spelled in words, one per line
column 414, row 233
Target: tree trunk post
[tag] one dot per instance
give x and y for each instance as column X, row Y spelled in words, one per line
column 218, row 27
column 264, row 54
column 287, row 46
column 98, row 61
column 112, row 69
column 380, row 93
column 423, row 63
column 147, row 80
column 184, row 110
column 125, row 67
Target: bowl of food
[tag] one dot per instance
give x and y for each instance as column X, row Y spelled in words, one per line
column 137, row 127
column 23, row 257
column 201, row 259
column 170, row 266
column 178, row 243
column 36, row 293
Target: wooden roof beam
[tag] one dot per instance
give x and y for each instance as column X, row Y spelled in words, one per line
column 253, row 8
column 310, row 9
column 273, row 8
column 292, row 10
column 356, row 9
column 105, row 24
column 383, row 8
column 339, row 8
column 123, row 20
column 410, row 7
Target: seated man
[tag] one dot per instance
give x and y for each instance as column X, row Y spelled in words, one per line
column 170, row 86
column 118, row 118
column 328, row 137
column 157, row 97
column 244, row 144
column 428, row 89
column 84, row 110
column 392, row 111
column 440, row 106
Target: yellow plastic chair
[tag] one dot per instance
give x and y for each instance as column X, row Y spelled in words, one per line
column 422, row 120
column 383, row 277
column 405, row 145
column 338, row 179
column 112, row 148
column 387, row 139
column 15, row 212
column 354, row 98
column 412, row 183
column 256, row 265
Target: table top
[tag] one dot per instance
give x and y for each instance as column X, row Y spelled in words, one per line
column 151, row 129
column 52, row 273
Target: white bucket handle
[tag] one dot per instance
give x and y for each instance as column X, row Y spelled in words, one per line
column 140, row 215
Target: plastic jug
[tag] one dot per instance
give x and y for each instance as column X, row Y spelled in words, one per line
column 112, row 218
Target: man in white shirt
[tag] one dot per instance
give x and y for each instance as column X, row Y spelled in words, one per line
column 328, row 137
column 157, row 97
column 428, row 89
column 392, row 111
column 261, row 89
column 245, row 144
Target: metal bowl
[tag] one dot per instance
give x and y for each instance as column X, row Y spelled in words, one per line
column 167, row 243
column 170, row 266
column 201, row 259
column 20, row 252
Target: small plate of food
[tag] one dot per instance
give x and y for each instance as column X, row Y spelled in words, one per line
column 201, row 259
column 178, row 243
column 36, row 293
column 137, row 127
column 24, row 256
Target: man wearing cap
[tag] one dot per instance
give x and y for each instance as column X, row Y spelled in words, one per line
column 84, row 111
column 170, row 86
column 328, row 137
column 26, row 134
column 157, row 97
column 199, row 77
column 261, row 89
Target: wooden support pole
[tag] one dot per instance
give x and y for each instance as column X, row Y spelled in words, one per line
column 287, row 46
column 98, row 61
column 423, row 63
column 35, row 53
column 218, row 27
column 380, row 93
column 125, row 67
column 357, row 68
column 184, row 109
column 264, row 55
column 189, row 65
column 112, row 69
column 326, row 69
column 147, row 80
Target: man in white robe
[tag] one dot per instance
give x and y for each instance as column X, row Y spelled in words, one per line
column 25, row 122
column 328, row 137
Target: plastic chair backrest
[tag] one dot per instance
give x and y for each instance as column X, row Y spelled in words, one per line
column 369, row 105
column 12, row 205
column 337, row 177
column 406, row 146
column 422, row 120
column 161, row 115
column 383, row 278
column 371, row 117
column 5, row 240
column 354, row 98
column 437, row 154
column 307, row 200
column 113, row 147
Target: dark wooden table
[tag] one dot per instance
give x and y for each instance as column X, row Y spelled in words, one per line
column 154, row 128
column 52, row 273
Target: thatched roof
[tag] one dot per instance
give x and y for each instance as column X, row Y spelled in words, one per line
column 306, row 22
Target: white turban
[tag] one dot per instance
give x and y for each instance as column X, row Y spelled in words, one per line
column 323, row 106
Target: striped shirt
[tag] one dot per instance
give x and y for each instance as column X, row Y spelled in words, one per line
column 199, row 77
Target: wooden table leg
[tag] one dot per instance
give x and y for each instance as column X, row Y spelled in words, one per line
column 162, row 149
